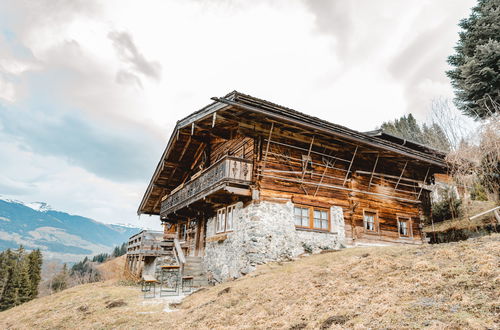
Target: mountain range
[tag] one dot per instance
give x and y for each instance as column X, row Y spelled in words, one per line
column 59, row 235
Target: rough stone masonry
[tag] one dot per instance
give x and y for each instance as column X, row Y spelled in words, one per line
column 264, row 232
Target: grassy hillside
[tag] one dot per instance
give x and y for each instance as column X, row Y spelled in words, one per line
column 447, row 286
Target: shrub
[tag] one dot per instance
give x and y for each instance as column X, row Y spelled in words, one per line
column 447, row 208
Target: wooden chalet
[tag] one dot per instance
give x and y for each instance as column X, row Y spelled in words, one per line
column 240, row 156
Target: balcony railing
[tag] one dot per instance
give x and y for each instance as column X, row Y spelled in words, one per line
column 228, row 170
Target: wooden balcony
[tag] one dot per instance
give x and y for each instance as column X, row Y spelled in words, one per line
column 229, row 173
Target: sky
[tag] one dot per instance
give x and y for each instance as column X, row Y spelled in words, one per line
column 90, row 91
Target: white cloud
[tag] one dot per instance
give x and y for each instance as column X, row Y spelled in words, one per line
column 132, row 69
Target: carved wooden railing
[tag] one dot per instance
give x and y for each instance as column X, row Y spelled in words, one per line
column 228, row 169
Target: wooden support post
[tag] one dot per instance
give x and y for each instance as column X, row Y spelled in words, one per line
column 197, row 155
column 192, row 128
column 323, row 175
column 214, row 118
column 350, row 165
column 185, row 149
column 267, row 147
column 304, row 165
column 373, row 171
column 402, row 172
column 425, row 179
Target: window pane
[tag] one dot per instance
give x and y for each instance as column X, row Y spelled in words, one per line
column 297, row 211
column 229, row 218
column 305, row 221
column 324, row 224
column 403, row 227
column 369, row 220
column 305, row 212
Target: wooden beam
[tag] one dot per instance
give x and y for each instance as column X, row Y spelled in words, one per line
column 197, row 155
column 185, row 149
column 373, row 171
column 402, row 172
column 267, row 147
column 214, row 118
column 343, row 188
column 425, row 179
column 350, row 165
column 304, row 164
column 387, row 176
column 323, row 176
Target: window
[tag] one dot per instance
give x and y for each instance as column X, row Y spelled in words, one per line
column 230, row 217
column 225, row 219
column 369, row 220
column 311, row 217
column 220, row 224
column 404, row 227
column 320, row 219
column 301, row 215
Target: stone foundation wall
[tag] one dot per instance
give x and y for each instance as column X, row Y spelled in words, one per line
column 264, row 232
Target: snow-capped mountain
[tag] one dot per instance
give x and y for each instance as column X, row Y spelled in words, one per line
column 58, row 235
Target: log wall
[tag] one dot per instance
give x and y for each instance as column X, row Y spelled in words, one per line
column 322, row 177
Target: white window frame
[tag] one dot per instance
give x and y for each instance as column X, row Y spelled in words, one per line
column 220, row 220
column 230, row 212
column 224, row 219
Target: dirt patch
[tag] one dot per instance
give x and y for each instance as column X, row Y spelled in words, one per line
column 224, row 291
column 298, row 326
column 335, row 319
column 116, row 303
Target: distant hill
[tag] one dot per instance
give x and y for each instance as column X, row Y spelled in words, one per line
column 58, row 234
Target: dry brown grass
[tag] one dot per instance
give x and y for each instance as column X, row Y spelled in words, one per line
column 447, row 286
column 113, row 269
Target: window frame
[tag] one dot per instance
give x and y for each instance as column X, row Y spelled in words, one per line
column 221, row 219
column 409, row 227
column 311, row 218
column 376, row 227
column 230, row 210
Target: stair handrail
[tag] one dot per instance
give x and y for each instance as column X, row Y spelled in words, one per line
column 485, row 212
column 179, row 252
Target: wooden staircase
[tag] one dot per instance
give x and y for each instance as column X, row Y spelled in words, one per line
column 193, row 267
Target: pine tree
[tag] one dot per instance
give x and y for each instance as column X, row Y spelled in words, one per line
column 22, row 280
column 35, row 269
column 476, row 73
column 408, row 128
column 9, row 296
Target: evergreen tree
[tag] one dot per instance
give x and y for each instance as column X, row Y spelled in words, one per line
column 476, row 73
column 408, row 128
column 35, row 269
column 10, row 296
column 22, row 279
column 6, row 263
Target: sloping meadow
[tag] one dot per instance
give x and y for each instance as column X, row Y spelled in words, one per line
column 446, row 286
